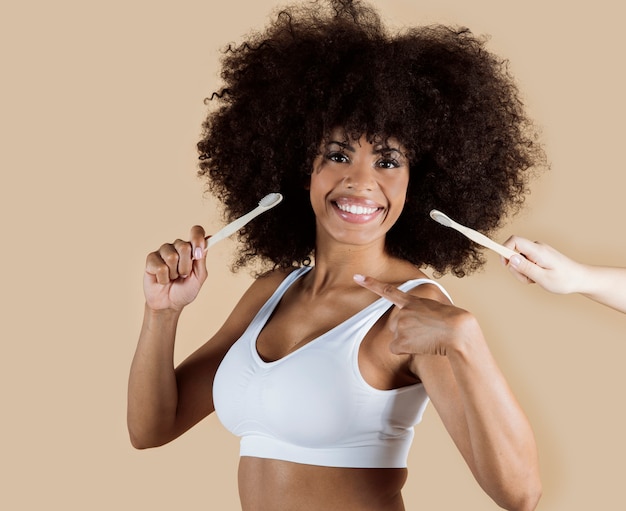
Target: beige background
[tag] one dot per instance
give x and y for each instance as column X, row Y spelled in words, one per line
column 101, row 107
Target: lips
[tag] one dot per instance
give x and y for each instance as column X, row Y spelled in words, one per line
column 356, row 210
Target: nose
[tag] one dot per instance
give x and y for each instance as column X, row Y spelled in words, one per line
column 359, row 176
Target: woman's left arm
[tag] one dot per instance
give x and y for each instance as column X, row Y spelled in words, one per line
column 483, row 416
column 450, row 355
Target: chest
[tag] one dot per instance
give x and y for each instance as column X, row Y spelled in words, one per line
column 297, row 322
column 314, row 400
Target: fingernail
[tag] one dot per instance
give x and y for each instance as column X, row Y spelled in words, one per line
column 515, row 261
column 358, row 277
column 197, row 253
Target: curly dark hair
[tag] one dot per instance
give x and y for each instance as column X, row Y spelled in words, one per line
column 451, row 103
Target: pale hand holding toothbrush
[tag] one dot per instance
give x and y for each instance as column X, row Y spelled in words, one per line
column 557, row 273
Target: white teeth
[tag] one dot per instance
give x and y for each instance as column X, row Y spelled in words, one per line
column 356, row 210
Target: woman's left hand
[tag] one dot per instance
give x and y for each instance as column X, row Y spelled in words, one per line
column 421, row 326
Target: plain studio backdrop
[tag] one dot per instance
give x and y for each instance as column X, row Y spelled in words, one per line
column 101, row 107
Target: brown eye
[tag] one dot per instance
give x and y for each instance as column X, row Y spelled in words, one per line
column 337, row 157
column 388, row 163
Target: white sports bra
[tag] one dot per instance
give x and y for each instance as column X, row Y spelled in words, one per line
column 313, row 405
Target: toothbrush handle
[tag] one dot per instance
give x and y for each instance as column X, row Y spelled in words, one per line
column 483, row 240
column 234, row 226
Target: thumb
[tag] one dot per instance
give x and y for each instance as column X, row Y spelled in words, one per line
column 527, row 268
column 199, row 250
column 200, row 265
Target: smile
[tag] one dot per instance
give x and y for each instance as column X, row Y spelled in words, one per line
column 356, row 210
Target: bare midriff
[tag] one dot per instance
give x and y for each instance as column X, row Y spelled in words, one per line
column 275, row 485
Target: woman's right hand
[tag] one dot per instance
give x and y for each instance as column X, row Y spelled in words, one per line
column 175, row 273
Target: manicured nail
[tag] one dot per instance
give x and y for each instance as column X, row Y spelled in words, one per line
column 197, row 253
column 358, row 277
column 515, row 261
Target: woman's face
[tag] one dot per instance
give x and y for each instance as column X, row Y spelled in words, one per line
column 358, row 189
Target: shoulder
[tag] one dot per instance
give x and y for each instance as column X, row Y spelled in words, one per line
column 268, row 282
column 432, row 290
column 260, row 291
column 422, row 285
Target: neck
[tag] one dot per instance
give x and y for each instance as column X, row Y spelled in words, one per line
column 335, row 267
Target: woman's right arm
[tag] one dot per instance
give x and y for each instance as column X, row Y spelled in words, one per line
column 164, row 401
column 173, row 277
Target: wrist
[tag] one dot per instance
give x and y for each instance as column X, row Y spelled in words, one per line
column 585, row 280
column 160, row 315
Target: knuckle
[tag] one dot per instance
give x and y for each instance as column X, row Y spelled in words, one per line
column 183, row 247
column 165, row 247
column 151, row 257
column 388, row 289
column 171, row 258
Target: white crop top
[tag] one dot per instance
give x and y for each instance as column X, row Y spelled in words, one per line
column 313, row 405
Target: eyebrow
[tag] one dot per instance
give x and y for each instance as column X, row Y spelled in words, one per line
column 344, row 145
column 378, row 149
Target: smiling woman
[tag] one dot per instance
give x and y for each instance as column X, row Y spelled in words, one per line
column 359, row 183
column 324, row 369
column 454, row 108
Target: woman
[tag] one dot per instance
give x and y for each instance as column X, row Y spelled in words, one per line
column 329, row 359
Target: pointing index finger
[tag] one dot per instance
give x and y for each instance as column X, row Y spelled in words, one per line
column 383, row 289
